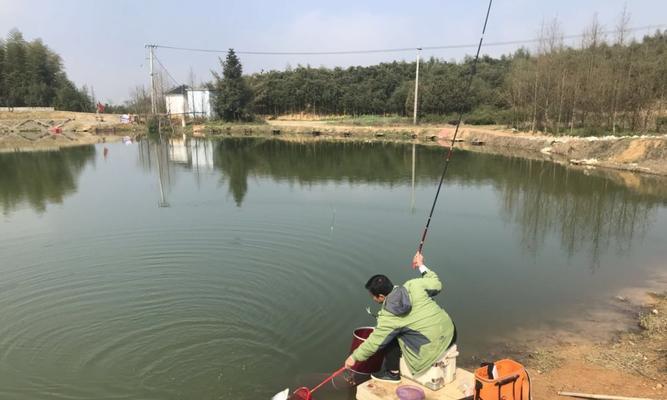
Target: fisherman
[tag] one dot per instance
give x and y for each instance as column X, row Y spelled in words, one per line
column 410, row 323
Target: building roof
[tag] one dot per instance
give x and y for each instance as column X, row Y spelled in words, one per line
column 178, row 90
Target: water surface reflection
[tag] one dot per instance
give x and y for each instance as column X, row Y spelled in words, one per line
column 587, row 212
column 42, row 177
column 261, row 257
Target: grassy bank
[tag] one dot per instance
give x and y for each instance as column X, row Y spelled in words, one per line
column 484, row 116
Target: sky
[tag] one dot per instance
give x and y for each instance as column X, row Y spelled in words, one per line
column 102, row 44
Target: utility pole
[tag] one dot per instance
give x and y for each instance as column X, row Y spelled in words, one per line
column 150, row 63
column 414, row 115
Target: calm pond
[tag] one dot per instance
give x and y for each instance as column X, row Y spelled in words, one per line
column 233, row 269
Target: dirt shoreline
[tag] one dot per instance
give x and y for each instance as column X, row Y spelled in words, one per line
column 618, row 349
column 52, row 130
column 646, row 155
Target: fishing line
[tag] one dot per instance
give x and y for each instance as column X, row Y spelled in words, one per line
column 473, row 70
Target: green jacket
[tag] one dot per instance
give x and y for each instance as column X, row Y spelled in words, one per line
column 424, row 330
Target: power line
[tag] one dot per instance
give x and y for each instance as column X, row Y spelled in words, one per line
column 394, row 50
column 166, row 70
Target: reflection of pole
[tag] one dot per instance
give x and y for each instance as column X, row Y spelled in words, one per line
column 163, row 201
column 412, row 193
column 414, row 112
column 196, row 159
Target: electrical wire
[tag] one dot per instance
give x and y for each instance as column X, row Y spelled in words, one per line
column 393, row 50
column 166, row 70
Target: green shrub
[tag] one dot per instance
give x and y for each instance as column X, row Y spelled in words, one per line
column 661, row 124
column 590, row 131
column 480, row 121
column 436, row 118
column 153, row 125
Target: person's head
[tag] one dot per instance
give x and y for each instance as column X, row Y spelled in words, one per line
column 379, row 286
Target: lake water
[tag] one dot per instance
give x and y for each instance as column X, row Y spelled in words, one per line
column 233, row 269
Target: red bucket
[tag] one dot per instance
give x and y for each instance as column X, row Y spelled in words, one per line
column 374, row 363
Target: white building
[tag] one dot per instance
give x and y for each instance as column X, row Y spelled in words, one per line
column 176, row 101
column 199, row 102
column 191, row 102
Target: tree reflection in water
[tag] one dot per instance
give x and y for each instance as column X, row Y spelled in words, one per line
column 589, row 212
column 309, row 163
column 42, row 177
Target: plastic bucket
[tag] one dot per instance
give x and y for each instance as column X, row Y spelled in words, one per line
column 374, row 363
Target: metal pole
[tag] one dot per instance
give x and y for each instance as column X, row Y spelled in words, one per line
column 414, row 114
column 150, row 63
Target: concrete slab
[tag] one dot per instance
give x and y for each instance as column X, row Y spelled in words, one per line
column 373, row 390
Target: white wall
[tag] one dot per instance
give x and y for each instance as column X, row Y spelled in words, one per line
column 199, row 102
column 176, row 104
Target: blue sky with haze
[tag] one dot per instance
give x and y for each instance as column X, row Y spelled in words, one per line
column 102, row 43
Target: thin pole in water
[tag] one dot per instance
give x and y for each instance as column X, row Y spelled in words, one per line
column 473, row 70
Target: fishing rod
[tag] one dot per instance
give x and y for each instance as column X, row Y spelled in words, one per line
column 473, row 70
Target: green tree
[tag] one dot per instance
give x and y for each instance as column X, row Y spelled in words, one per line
column 2, row 74
column 15, row 79
column 232, row 94
column 31, row 74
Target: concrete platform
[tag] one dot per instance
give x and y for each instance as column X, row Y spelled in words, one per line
column 372, row 390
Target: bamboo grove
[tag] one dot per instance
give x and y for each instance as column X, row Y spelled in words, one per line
column 32, row 75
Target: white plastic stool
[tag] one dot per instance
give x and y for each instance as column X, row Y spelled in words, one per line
column 442, row 372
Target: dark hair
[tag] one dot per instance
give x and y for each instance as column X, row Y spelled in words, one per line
column 379, row 284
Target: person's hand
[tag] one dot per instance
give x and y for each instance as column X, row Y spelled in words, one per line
column 417, row 260
column 349, row 362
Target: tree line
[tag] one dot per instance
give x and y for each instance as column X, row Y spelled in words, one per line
column 606, row 83
column 386, row 88
column 603, row 84
column 32, row 75
column 610, row 86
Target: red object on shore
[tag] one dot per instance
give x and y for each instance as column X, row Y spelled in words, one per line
column 56, row 130
column 374, row 363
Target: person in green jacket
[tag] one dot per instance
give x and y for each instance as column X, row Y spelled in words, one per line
column 410, row 323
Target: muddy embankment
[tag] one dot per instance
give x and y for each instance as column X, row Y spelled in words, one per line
column 43, row 130
column 645, row 154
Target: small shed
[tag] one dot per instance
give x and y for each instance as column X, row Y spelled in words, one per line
column 176, row 100
column 190, row 102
